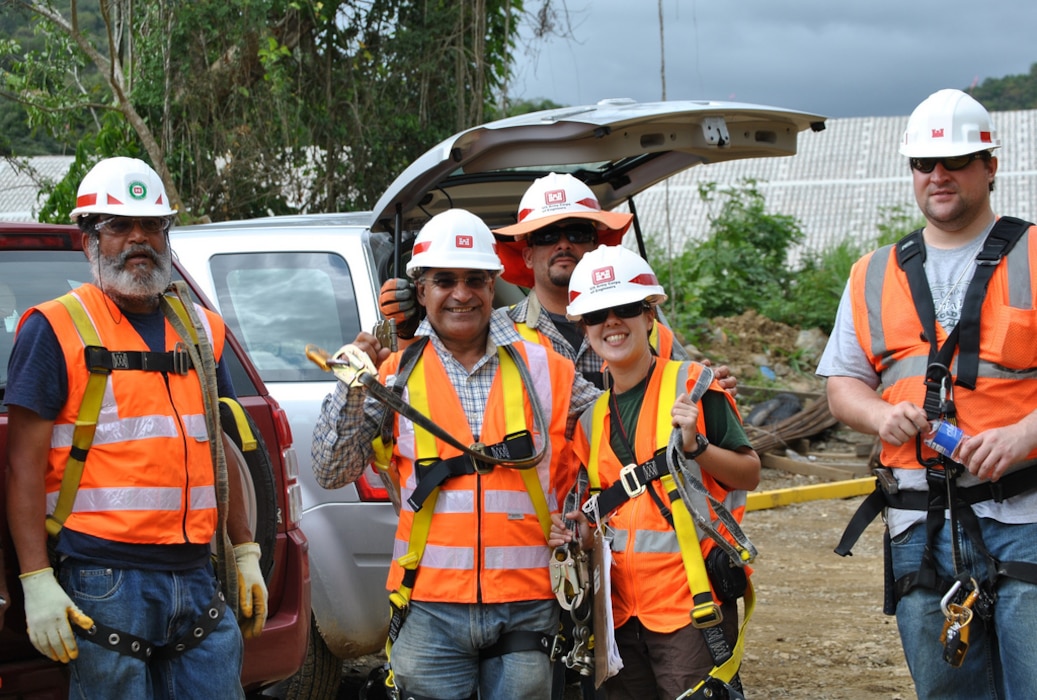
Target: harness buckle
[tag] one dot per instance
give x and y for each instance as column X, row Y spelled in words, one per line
column 631, row 484
column 706, row 615
column 479, row 466
column 181, row 360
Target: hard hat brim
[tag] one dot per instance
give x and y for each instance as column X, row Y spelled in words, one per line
column 612, row 220
column 510, row 252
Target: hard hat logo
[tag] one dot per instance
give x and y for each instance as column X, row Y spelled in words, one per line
column 937, row 133
column 604, row 275
column 138, row 190
column 464, row 242
column 554, row 197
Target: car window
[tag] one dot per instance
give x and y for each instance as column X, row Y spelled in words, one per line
column 31, row 277
column 277, row 303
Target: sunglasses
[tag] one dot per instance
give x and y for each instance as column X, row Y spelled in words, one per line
column 577, row 233
column 950, row 163
column 631, row 310
column 123, row 225
column 473, row 282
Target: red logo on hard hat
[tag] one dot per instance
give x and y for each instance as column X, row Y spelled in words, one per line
column 937, row 133
column 464, row 242
column 984, row 136
column 603, row 275
column 554, row 197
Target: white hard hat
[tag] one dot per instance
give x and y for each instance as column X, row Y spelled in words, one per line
column 948, row 123
column 558, row 196
column 454, row 238
column 122, row 187
column 611, row 276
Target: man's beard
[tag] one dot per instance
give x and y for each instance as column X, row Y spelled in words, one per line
column 120, row 282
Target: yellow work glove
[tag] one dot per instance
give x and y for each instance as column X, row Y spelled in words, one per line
column 252, row 594
column 398, row 300
column 358, row 362
column 47, row 612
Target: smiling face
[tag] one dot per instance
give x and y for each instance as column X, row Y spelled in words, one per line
column 623, row 344
column 458, row 303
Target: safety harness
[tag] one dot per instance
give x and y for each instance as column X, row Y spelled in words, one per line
column 515, row 451
column 688, row 515
column 942, row 472
column 193, row 352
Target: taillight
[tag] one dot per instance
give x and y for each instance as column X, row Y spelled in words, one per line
column 370, row 487
column 281, row 425
column 293, row 490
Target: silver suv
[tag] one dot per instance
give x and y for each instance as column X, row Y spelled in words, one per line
column 284, row 282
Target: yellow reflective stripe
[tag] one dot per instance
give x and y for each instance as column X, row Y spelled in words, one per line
column 601, row 409
column 528, row 332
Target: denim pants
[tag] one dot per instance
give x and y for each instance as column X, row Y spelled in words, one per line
column 1001, row 661
column 159, row 606
column 437, row 652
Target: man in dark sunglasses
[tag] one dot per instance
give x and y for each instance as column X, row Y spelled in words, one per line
column 944, row 323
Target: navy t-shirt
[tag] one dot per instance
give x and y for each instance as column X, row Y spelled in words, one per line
column 38, row 381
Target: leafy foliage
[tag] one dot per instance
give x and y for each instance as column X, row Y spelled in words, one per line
column 1009, row 92
column 743, row 264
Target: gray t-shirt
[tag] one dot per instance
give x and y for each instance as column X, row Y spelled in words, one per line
column 949, row 271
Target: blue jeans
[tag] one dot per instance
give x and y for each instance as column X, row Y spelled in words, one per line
column 437, row 652
column 1001, row 661
column 158, row 606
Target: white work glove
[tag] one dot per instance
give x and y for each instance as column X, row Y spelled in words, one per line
column 359, row 363
column 252, row 595
column 47, row 612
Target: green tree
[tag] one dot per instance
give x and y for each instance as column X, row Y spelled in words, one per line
column 251, row 107
column 1008, row 93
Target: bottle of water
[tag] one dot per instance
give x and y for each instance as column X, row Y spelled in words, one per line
column 945, row 438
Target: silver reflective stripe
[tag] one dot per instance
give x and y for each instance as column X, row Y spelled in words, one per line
column 656, row 542
column 875, row 277
column 1020, row 290
column 446, row 501
column 914, row 367
column 125, row 430
column 203, row 497
column 530, row 557
column 440, row 557
column 514, row 502
column 194, row 424
column 619, row 540
column 124, row 498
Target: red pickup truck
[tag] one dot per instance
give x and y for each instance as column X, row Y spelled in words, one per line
column 42, row 261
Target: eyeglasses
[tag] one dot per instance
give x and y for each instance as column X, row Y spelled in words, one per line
column 473, row 282
column 951, row 163
column 123, row 225
column 631, row 310
column 577, row 232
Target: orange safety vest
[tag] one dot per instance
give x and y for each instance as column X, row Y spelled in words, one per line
column 648, row 576
column 891, row 334
column 148, row 477
column 485, row 542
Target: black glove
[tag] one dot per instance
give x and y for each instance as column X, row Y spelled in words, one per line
column 398, row 300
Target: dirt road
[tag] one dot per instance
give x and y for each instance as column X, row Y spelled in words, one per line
column 818, row 631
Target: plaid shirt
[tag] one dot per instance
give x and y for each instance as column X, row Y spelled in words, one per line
column 530, row 312
column 350, row 420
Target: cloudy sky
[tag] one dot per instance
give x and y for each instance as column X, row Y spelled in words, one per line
column 831, row 57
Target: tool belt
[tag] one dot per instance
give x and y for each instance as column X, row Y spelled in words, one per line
column 432, row 473
column 139, row 648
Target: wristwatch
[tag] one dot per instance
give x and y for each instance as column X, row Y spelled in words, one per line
column 703, row 443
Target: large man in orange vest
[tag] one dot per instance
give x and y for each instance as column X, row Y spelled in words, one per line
column 134, row 549
column 474, row 606
column 943, row 324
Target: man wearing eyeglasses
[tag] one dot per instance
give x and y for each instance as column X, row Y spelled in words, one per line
column 942, row 325
column 134, row 605
column 473, row 605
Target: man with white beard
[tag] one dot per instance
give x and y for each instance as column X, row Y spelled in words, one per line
column 130, row 506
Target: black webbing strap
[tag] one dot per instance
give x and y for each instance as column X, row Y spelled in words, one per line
column 174, row 361
column 518, row 640
column 430, row 476
column 139, row 648
column 632, row 482
column 1018, row 482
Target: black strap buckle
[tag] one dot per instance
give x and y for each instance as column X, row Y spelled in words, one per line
column 181, row 360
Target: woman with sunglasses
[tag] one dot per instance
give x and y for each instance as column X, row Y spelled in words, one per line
column 612, row 294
